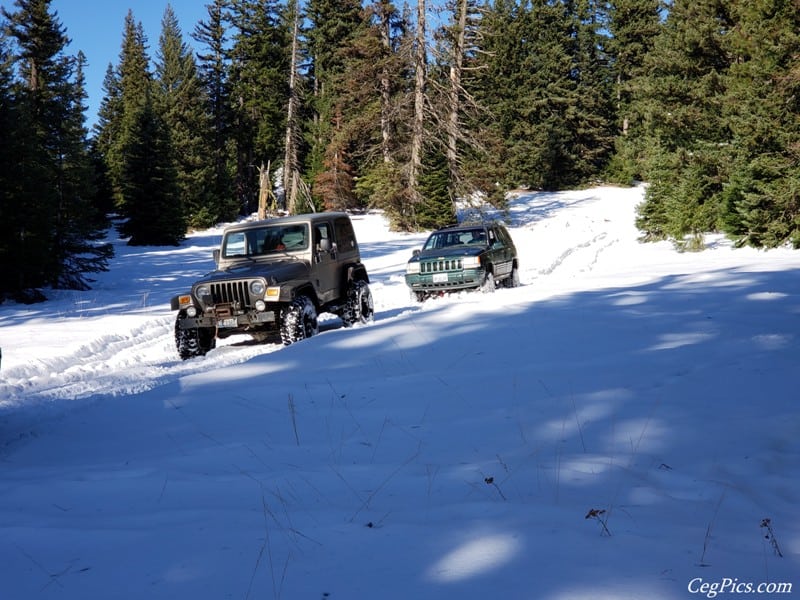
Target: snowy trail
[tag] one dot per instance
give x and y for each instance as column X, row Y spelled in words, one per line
column 573, row 238
column 131, row 361
column 140, row 353
column 80, row 372
column 447, row 450
column 586, row 248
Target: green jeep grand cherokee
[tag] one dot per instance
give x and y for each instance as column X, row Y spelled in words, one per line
column 462, row 257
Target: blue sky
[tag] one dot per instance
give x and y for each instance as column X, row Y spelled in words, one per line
column 96, row 28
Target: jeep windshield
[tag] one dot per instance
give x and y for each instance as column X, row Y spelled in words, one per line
column 269, row 239
column 458, row 237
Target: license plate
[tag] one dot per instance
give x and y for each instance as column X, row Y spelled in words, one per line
column 227, row 323
column 440, row 278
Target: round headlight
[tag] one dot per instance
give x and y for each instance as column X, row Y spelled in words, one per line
column 258, row 287
column 202, row 290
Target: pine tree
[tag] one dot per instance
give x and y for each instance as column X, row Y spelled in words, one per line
column 495, row 79
column 105, row 135
column 383, row 57
column 51, row 242
column 332, row 26
column 454, row 127
column 368, row 94
column 126, row 89
column 528, row 83
column 541, row 154
column 762, row 199
column 259, row 87
column 682, row 103
column 419, row 67
column 38, row 40
column 153, row 212
column 140, row 156
column 13, row 276
column 633, row 25
column 80, row 227
column 436, row 209
column 392, row 64
column 334, row 185
column 592, row 119
column 182, row 103
column 294, row 126
column 213, row 68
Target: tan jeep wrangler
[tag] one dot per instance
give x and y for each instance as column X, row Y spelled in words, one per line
column 273, row 278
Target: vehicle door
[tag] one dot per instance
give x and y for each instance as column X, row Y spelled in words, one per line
column 326, row 269
column 501, row 252
column 347, row 252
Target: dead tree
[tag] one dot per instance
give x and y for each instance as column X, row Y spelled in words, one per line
column 417, row 128
column 290, row 163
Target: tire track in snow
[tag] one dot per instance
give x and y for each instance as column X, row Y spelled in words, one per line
column 584, row 257
column 128, row 362
column 137, row 358
column 571, row 251
column 113, row 363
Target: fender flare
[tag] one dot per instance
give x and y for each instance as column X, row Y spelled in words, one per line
column 356, row 272
column 306, row 290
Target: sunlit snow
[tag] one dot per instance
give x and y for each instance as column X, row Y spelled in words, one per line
column 618, row 427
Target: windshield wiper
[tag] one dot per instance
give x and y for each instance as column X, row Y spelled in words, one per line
column 238, row 257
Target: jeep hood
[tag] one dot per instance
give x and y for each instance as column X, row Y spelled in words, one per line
column 273, row 272
column 453, row 252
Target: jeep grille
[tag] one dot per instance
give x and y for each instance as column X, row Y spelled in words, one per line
column 436, row 266
column 231, row 292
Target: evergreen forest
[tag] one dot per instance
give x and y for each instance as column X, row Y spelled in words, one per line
column 280, row 106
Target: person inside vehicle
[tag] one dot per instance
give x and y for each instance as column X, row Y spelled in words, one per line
column 273, row 244
column 478, row 236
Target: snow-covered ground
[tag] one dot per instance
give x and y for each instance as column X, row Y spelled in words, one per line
column 621, row 426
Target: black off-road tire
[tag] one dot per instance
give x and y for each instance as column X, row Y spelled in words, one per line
column 512, row 280
column 359, row 307
column 194, row 342
column 488, row 286
column 298, row 320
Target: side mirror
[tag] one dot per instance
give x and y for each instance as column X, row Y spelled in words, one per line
column 325, row 245
column 215, row 254
column 416, row 252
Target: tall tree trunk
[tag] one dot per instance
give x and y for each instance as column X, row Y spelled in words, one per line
column 385, row 84
column 619, row 105
column 456, row 68
column 263, row 190
column 290, row 163
column 420, row 68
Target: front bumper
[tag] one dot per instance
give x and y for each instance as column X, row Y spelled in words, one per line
column 229, row 323
column 445, row 281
